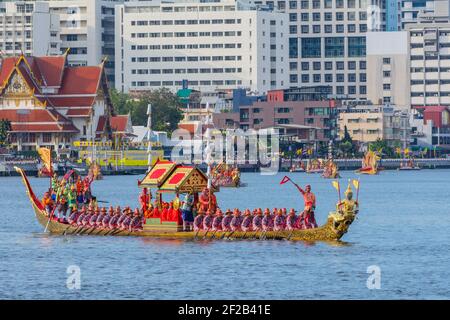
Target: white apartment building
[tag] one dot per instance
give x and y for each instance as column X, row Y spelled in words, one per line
column 414, row 10
column 29, row 28
column 429, row 56
column 327, row 44
column 388, row 68
column 87, row 28
column 214, row 45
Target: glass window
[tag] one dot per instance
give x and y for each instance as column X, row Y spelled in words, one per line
column 362, row 90
column 334, row 47
column 356, row 46
column 328, row 65
column 351, row 90
column 317, row 78
column 293, row 29
column 305, row 4
column 311, row 47
column 305, row 66
column 328, row 28
column 305, row 29
column 328, row 16
column 316, row 65
column 305, row 78
column 305, row 16
column 293, row 47
column 362, row 77
column 351, row 77
column 316, row 16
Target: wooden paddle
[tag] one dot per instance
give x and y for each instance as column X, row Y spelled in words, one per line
column 206, row 233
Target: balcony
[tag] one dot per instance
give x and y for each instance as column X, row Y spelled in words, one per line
column 445, row 63
column 432, row 75
column 417, row 100
column 432, row 101
column 417, row 76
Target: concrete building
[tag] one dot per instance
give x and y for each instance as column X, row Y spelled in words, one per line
column 388, row 68
column 309, row 121
column 367, row 123
column 429, row 56
column 87, row 28
column 327, row 44
column 393, row 15
column 29, row 28
column 413, row 11
column 214, row 45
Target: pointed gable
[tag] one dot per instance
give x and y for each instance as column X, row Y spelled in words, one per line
column 51, row 69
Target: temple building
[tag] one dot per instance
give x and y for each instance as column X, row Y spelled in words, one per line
column 52, row 104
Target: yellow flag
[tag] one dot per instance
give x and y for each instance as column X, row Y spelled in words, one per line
column 309, row 151
column 398, row 150
column 46, row 156
column 356, row 183
column 335, row 184
column 299, row 151
column 406, row 151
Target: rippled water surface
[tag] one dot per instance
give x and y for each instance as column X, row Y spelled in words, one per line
column 403, row 227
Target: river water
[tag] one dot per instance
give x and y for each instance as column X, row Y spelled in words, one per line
column 402, row 231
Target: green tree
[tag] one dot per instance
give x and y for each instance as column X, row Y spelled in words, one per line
column 347, row 146
column 166, row 112
column 5, row 127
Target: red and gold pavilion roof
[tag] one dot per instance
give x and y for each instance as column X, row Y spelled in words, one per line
column 158, row 174
column 168, row 176
column 185, row 179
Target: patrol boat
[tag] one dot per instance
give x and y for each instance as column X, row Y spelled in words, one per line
column 336, row 226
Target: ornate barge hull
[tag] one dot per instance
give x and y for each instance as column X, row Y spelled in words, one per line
column 332, row 230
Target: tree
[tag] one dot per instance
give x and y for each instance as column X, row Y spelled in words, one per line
column 5, row 128
column 166, row 112
column 347, row 137
column 347, row 147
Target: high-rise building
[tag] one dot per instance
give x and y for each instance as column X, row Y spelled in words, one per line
column 327, row 43
column 393, row 15
column 87, row 28
column 368, row 123
column 388, row 68
column 413, row 11
column 430, row 64
column 214, row 45
column 28, row 28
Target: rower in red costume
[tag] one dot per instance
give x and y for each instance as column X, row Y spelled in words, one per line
column 156, row 213
column 144, row 199
column 207, row 200
column 165, row 212
column 310, row 205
